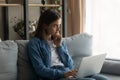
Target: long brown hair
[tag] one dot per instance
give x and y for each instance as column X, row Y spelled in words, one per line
column 46, row 18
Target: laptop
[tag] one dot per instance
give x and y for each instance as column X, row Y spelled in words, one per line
column 91, row 65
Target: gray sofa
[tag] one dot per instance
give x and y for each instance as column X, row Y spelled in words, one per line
column 15, row 64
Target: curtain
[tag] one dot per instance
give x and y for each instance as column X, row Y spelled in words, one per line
column 75, row 17
column 103, row 22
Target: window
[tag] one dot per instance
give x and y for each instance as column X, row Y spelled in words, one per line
column 103, row 22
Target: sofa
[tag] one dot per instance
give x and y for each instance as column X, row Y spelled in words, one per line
column 15, row 63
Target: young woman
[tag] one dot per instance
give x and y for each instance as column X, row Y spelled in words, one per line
column 48, row 53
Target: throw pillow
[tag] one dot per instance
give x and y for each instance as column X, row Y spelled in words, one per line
column 79, row 45
column 8, row 60
column 25, row 69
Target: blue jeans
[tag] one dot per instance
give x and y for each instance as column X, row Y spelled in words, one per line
column 94, row 77
column 78, row 79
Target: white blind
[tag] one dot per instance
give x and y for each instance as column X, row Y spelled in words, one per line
column 103, row 22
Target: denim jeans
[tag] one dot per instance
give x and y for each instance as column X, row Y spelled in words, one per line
column 94, row 77
column 78, row 79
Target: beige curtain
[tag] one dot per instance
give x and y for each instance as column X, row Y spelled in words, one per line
column 75, row 17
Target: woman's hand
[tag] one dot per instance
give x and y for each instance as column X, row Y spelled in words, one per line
column 58, row 40
column 72, row 73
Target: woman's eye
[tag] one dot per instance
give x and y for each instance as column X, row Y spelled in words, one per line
column 56, row 26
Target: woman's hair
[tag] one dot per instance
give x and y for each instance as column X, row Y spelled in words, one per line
column 46, row 18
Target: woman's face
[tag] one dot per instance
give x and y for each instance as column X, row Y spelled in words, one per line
column 54, row 27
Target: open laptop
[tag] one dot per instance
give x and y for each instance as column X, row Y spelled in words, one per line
column 91, row 65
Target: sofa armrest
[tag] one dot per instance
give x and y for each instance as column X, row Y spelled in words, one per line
column 111, row 67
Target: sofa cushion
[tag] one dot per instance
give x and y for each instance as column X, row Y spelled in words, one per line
column 79, row 45
column 8, row 60
column 111, row 67
column 25, row 69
